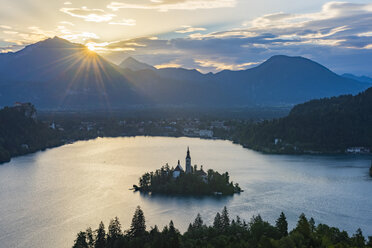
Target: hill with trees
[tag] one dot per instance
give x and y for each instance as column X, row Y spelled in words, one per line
column 225, row 232
column 318, row 126
column 21, row 133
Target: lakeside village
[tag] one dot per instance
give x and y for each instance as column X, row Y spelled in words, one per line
column 53, row 129
column 74, row 126
column 191, row 181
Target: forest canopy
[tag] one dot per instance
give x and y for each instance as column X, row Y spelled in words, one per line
column 224, row 232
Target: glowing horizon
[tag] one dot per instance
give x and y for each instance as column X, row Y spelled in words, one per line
column 208, row 35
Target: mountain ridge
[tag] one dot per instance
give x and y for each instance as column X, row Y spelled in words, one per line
column 363, row 79
column 56, row 73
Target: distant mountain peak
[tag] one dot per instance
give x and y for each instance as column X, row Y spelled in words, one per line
column 293, row 63
column 131, row 59
column 57, row 42
column 54, row 43
column 277, row 58
column 135, row 65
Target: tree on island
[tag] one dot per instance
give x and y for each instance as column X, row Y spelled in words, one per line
column 195, row 183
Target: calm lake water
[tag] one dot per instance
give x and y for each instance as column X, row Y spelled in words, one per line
column 47, row 197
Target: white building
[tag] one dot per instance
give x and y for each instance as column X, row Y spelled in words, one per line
column 206, row 133
column 177, row 171
column 358, row 150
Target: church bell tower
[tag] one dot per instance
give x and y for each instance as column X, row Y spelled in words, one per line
column 188, row 161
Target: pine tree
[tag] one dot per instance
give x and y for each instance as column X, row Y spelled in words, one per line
column 114, row 229
column 282, row 225
column 138, row 226
column 172, row 229
column 114, row 232
column 81, row 241
column 190, row 228
column 358, row 239
column 312, row 224
column 198, row 222
column 303, row 226
column 225, row 220
column 90, row 237
column 154, row 231
column 217, row 223
column 238, row 220
column 173, row 235
column 101, row 236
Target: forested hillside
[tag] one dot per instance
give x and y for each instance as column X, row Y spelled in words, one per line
column 21, row 133
column 325, row 125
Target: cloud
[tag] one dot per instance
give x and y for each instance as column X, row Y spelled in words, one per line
column 338, row 36
column 165, row 5
column 5, row 50
column 189, row 29
column 67, row 23
column 89, row 15
column 10, row 32
column 168, row 65
column 124, row 22
column 224, row 66
column 5, row 27
column 80, row 36
column 67, row 3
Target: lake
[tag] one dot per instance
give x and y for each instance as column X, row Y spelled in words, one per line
column 49, row 196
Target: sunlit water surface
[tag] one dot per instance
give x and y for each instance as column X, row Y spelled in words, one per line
column 47, row 197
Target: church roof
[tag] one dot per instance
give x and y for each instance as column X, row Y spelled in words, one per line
column 178, row 167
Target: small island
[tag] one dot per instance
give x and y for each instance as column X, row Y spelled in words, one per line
column 192, row 181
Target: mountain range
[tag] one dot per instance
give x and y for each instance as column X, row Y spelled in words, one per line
column 58, row 74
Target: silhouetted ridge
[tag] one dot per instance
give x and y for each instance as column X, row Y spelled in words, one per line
column 57, row 73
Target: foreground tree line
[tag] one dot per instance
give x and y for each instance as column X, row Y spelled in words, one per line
column 225, row 232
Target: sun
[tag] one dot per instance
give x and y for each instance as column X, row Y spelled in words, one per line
column 91, row 47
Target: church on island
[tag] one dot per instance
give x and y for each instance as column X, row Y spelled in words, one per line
column 189, row 169
column 188, row 181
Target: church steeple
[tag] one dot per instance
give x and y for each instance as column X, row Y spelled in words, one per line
column 188, row 161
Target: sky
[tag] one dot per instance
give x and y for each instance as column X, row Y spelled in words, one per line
column 208, row 35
